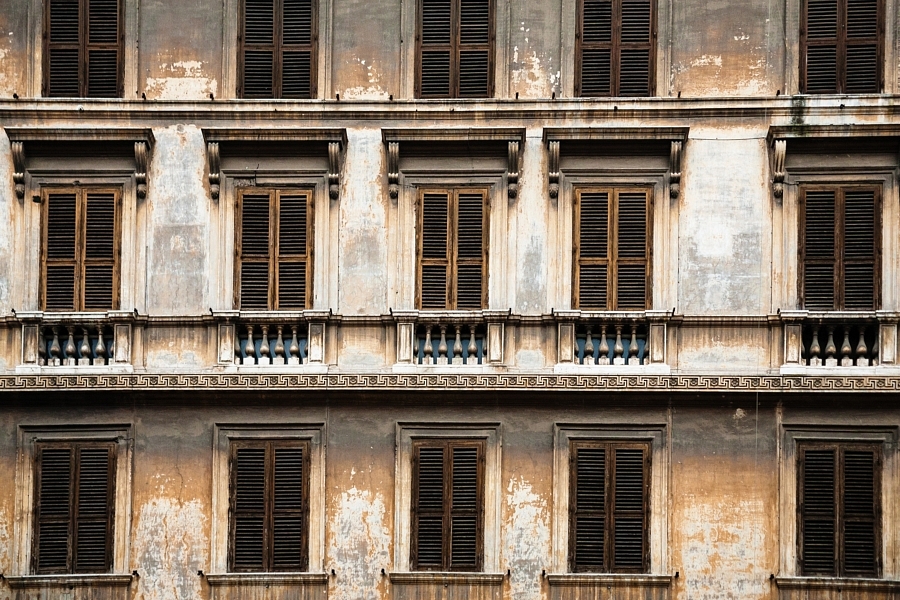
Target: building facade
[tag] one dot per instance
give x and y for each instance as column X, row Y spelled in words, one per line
column 444, row 299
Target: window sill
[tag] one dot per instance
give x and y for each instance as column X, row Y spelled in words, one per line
column 591, row 580
column 69, row 581
column 446, row 578
column 265, row 579
column 839, row 584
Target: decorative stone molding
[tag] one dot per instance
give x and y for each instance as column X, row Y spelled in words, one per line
column 78, row 340
column 512, row 171
column 334, row 169
column 141, row 150
column 675, row 169
column 265, row 579
column 446, row 338
column 98, row 581
column 778, row 172
column 18, row 155
column 215, row 177
column 553, row 170
column 842, row 339
column 393, row 156
column 271, row 339
column 582, row 334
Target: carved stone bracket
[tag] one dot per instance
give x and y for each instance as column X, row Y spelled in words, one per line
column 553, row 170
column 778, row 168
column 393, row 170
column 675, row 169
column 512, row 171
column 334, row 169
column 141, row 150
column 215, row 175
column 18, row 154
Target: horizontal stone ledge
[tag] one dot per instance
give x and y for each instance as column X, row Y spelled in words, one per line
column 591, row 580
column 446, row 577
column 67, row 581
column 836, row 583
column 254, row 579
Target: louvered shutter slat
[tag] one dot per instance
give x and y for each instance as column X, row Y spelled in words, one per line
column 100, row 230
column 54, row 509
column 821, row 69
column 63, row 62
column 297, row 22
column 631, row 243
column 435, row 74
column 590, row 504
column 64, row 68
column 258, row 74
column 818, row 512
column 862, row 69
column 473, row 73
column 103, row 49
column 859, row 249
column 595, row 78
column 249, row 509
column 255, row 233
column 859, row 513
column 634, row 72
column 435, row 52
column 295, row 75
column 822, row 18
column 629, row 516
column 593, row 240
column 470, row 251
column 93, row 535
column 862, row 19
column 596, row 72
column 596, row 21
column 592, row 282
column 430, row 508
column 60, row 248
column 819, row 249
column 435, row 222
column 464, row 509
column 292, row 244
column 287, row 548
column 103, row 72
column 103, row 22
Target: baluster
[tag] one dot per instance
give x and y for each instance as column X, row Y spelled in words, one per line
column 874, row 361
column 294, row 348
column 862, row 353
column 42, row 347
column 249, row 348
column 55, row 350
column 484, row 349
column 830, row 349
column 645, row 358
column 70, row 347
column 618, row 358
column 603, row 358
column 278, row 358
column 846, row 361
column 264, row 358
column 588, row 349
column 428, row 350
column 472, row 350
column 100, row 348
column 85, row 349
column 237, row 347
column 815, row 350
column 633, row 347
column 457, row 348
column 442, row 347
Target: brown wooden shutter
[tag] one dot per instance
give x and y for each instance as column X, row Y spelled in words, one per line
column 865, row 27
column 841, row 46
column 591, row 249
column 632, row 253
column 258, row 50
column 455, row 49
column 817, row 509
column 861, row 511
column 298, row 53
column 53, row 510
column 248, row 509
column 636, row 48
column 465, row 509
column 819, row 249
column 60, row 251
column 428, row 509
column 435, row 48
column 104, row 49
column 615, row 48
column 629, row 510
column 289, row 513
column 254, row 250
column 587, row 524
column 93, row 534
column 475, row 62
column 100, row 251
column 62, row 46
column 434, row 250
column 470, row 251
column 293, row 245
column 861, row 265
column 278, row 58
column 594, row 38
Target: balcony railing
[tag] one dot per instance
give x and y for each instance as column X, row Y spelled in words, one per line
column 76, row 339
column 612, row 338
column 839, row 339
column 271, row 339
column 450, row 338
column 451, row 344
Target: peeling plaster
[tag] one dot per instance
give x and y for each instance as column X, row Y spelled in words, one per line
column 529, row 75
column 526, row 539
column 186, row 83
column 5, row 542
column 372, row 91
column 360, row 544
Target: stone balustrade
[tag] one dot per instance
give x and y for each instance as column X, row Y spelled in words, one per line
column 270, row 339
column 839, row 339
column 450, row 344
column 76, row 339
column 612, row 338
column 450, row 338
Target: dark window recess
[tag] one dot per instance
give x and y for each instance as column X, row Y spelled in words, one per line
column 842, row 45
column 609, row 528
column 453, row 249
column 83, row 48
column 81, row 249
column 74, row 507
column 274, row 248
column 447, row 506
column 277, row 52
column 612, row 249
column 615, row 42
column 455, row 41
column 269, row 506
column 840, row 248
column 839, row 510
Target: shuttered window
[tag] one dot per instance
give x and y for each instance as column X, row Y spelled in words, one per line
column 839, row 510
column 274, row 249
column 80, row 249
column 840, row 247
column 277, row 55
column 447, row 506
column 612, row 249
column 269, row 509
column 83, row 47
column 609, row 495
column 842, row 45
column 615, row 48
column 74, row 505
column 455, row 41
column 453, row 248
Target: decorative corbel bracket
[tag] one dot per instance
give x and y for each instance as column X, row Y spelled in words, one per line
column 512, row 171
column 393, row 156
column 334, row 170
column 553, row 170
column 140, row 168
column 18, row 154
column 215, row 175
column 778, row 168
column 675, row 169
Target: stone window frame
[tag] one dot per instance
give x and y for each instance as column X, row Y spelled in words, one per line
column 27, row 438
column 790, row 435
column 793, row 18
column 406, row 434
column 223, row 436
column 34, row 74
column 231, row 26
column 408, row 51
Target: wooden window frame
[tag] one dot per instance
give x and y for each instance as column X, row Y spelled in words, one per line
column 612, row 260
column 615, row 46
column 447, row 512
column 274, row 258
column 452, row 260
column 840, row 448
column 455, row 47
column 278, row 48
column 609, row 513
column 74, row 516
column 269, row 500
column 841, row 44
column 80, row 260
column 83, row 46
column 840, row 191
